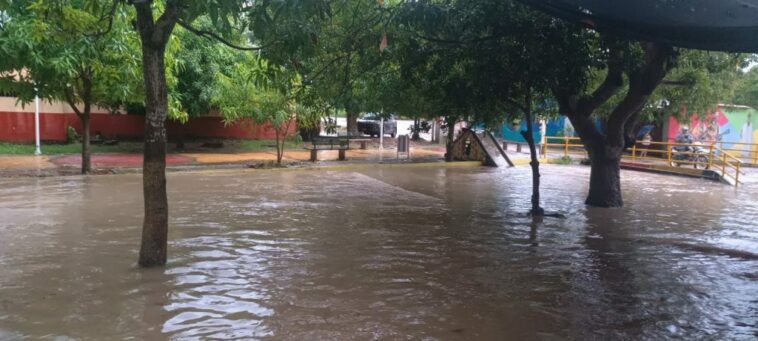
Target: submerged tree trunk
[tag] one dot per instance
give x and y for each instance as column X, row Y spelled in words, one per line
column 155, row 226
column 352, row 123
column 536, row 210
column 154, row 36
column 86, row 150
column 605, row 148
column 605, row 181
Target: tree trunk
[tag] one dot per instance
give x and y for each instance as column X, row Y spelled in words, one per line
column 279, row 147
column 86, row 151
column 84, row 116
column 155, row 226
column 450, row 139
column 605, row 148
column 352, row 123
column 536, row 211
column 154, row 36
column 309, row 133
column 605, row 180
column 416, row 130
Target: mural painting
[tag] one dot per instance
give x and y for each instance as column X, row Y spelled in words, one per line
column 732, row 128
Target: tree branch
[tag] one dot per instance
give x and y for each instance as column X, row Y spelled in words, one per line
column 111, row 14
column 145, row 21
column 72, row 102
column 613, row 82
column 165, row 23
column 678, row 83
column 214, row 36
column 516, row 104
column 642, row 83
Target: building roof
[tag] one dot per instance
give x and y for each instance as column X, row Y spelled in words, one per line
column 723, row 25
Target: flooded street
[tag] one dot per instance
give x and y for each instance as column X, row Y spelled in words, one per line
column 383, row 253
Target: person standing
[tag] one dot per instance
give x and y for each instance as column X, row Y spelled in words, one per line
column 646, row 140
column 746, row 136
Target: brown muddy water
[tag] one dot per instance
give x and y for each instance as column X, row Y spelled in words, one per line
column 385, row 253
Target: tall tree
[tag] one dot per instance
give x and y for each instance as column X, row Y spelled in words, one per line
column 512, row 76
column 345, row 69
column 637, row 79
column 276, row 24
column 500, row 57
column 262, row 92
column 74, row 51
column 746, row 88
column 200, row 61
column 430, row 47
column 605, row 148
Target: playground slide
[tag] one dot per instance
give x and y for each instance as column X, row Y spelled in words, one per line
column 494, row 151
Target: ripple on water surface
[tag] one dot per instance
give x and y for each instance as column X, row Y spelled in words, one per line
column 385, row 253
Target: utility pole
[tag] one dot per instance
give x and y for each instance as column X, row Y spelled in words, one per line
column 381, row 138
column 38, row 149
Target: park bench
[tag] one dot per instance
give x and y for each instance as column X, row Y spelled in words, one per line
column 356, row 137
column 340, row 143
column 98, row 140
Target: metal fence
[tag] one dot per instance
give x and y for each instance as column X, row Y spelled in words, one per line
column 697, row 155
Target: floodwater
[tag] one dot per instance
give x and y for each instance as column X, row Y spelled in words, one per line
column 383, row 253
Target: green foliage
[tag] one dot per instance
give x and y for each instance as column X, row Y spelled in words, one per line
column 345, row 72
column 64, row 49
column 259, row 91
column 708, row 79
column 746, row 89
column 422, row 127
column 699, row 82
column 59, row 149
column 71, row 135
column 200, row 61
column 252, row 91
column 563, row 160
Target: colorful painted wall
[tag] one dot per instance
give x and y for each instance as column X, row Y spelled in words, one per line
column 733, row 128
column 560, row 126
column 513, row 133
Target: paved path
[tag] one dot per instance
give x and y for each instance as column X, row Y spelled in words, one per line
column 21, row 164
column 25, row 162
column 117, row 160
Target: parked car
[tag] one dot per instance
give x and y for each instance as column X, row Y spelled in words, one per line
column 369, row 124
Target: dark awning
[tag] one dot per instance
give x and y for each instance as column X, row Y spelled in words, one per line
column 725, row 25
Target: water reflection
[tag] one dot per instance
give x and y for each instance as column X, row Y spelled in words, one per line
column 384, row 253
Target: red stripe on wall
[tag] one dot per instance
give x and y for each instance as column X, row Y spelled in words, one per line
column 19, row 127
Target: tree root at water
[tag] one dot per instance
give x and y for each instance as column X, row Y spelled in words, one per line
column 548, row 215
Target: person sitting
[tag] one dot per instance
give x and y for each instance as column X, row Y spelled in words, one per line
column 684, row 137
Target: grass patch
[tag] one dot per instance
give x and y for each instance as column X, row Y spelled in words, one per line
column 126, row 147
column 564, row 160
column 255, row 145
column 74, row 148
column 259, row 145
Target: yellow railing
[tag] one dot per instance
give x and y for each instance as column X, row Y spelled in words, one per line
column 746, row 152
column 709, row 156
column 569, row 145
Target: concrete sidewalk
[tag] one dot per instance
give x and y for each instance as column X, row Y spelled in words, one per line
column 20, row 165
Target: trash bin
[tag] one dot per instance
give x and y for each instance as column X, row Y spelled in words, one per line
column 404, row 146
